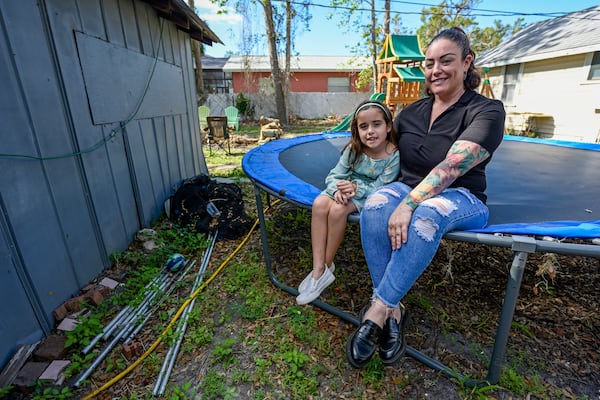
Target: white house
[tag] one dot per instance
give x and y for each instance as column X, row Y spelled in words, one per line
column 548, row 76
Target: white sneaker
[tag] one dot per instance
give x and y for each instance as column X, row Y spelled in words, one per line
column 304, row 283
column 315, row 287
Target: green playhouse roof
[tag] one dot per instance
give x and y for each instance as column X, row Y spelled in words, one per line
column 402, row 47
column 410, row 74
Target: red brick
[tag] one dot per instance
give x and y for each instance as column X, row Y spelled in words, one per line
column 74, row 304
column 60, row 312
column 95, row 297
column 131, row 350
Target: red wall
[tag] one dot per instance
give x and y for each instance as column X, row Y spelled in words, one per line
column 299, row 81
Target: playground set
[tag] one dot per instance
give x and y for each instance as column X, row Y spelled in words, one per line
column 400, row 76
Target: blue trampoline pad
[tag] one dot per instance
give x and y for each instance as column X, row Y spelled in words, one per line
column 535, row 186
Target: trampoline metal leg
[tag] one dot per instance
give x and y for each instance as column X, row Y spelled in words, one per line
column 328, row 307
column 508, row 310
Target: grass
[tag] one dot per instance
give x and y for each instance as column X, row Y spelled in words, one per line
column 256, row 340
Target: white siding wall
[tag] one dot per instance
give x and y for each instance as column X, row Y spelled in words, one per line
column 557, row 87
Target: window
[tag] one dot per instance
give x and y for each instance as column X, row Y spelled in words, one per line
column 338, row 84
column 595, row 67
column 511, row 77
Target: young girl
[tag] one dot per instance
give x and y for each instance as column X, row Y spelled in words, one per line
column 369, row 160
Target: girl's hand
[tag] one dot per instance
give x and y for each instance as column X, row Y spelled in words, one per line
column 347, row 188
column 398, row 225
column 340, row 197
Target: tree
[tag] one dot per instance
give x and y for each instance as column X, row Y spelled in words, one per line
column 449, row 13
column 274, row 62
column 446, row 15
column 197, row 52
column 280, row 26
column 487, row 38
column 372, row 34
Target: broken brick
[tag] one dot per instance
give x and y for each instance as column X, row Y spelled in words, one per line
column 131, row 349
column 60, row 312
column 95, row 297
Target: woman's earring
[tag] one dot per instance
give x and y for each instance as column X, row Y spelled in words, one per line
column 465, row 76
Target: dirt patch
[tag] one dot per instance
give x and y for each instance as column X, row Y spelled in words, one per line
column 553, row 349
column 454, row 306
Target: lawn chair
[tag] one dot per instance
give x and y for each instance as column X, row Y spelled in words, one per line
column 232, row 117
column 203, row 113
column 217, row 133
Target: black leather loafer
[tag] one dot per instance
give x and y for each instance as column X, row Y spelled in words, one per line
column 392, row 344
column 362, row 344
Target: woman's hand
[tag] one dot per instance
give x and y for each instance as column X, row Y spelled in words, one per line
column 398, row 225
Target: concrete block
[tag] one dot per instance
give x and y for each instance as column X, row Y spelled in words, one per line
column 67, row 324
column 51, row 348
column 30, row 373
column 54, row 371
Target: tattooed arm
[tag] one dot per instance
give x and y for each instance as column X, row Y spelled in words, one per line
column 462, row 156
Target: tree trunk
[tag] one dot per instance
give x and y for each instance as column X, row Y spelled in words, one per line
column 386, row 18
column 374, row 39
column 197, row 54
column 275, row 70
column 288, row 52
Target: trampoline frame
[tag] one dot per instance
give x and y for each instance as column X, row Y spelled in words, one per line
column 520, row 245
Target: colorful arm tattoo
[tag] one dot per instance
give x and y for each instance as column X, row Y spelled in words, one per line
column 462, row 156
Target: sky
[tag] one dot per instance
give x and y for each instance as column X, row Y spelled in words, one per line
column 326, row 38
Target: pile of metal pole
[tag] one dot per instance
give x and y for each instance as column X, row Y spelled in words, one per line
column 169, row 361
column 131, row 319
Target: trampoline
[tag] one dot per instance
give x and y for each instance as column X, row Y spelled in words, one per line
column 540, row 192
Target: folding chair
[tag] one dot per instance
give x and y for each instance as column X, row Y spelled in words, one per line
column 203, row 112
column 232, row 117
column 217, row 133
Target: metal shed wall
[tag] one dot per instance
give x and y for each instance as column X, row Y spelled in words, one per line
column 74, row 187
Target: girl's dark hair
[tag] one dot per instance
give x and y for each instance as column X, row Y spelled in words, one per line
column 356, row 146
column 458, row 36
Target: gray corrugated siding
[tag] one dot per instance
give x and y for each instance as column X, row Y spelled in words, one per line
column 71, row 72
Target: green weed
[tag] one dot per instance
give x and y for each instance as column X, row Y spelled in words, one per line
column 114, row 364
column 84, row 331
column 223, row 352
column 523, row 328
column 51, row 393
column 300, row 384
column 522, row 386
column 213, row 386
column 374, row 373
column 182, row 392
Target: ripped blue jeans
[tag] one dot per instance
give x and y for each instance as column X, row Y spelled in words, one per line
column 394, row 272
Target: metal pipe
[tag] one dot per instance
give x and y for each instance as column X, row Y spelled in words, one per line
column 163, row 281
column 129, row 338
column 171, row 356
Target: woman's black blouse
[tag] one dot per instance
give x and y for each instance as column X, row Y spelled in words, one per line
column 473, row 117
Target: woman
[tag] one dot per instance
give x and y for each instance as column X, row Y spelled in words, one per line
column 445, row 142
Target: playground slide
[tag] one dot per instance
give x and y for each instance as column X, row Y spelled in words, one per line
column 345, row 124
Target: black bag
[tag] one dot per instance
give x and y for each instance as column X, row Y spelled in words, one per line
column 200, row 197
